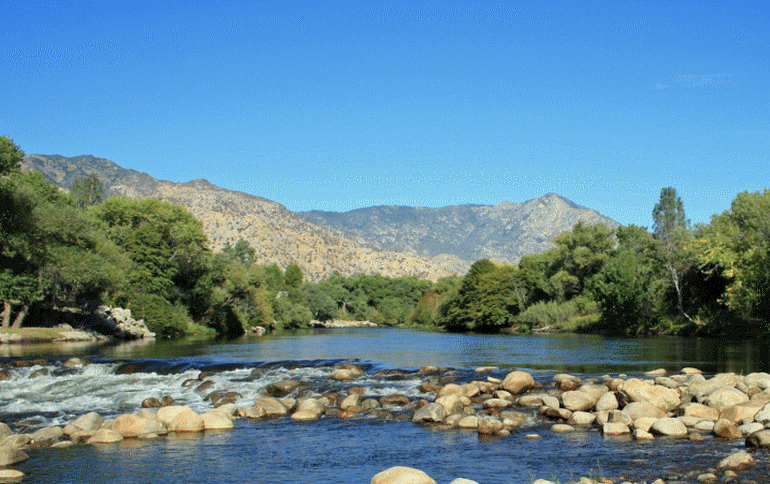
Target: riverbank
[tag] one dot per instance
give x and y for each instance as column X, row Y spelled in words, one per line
column 661, row 408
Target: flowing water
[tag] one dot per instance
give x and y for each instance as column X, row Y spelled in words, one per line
column 333, row 450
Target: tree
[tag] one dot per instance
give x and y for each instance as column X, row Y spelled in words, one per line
column 10, row 156
column 736, row 245
column 293, row 276
column 671, row 229
column 87, row 191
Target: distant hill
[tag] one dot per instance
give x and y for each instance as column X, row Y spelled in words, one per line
column 504, row 232
column 393, row 241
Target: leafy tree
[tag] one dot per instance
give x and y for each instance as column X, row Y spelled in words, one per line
column 672, row 230
column 10, row 156
column 320, row 303
column 581, row 253
column 736, row 246
column 87, row 191
column 166, row 244
column 293, row 276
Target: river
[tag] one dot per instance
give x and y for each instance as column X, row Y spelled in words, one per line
column 333, row 450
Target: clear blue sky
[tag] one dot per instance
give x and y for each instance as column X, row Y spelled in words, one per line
column 341, row 105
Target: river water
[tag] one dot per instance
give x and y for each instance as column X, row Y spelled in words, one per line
column 333, row 450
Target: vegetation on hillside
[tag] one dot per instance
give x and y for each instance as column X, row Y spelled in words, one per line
column 59, row 249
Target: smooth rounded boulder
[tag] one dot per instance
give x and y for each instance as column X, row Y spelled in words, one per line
column 670, row 427
column 11, row 455
column 430, row 413
column 105, row 436
column 187, row 421
column 402, row 475
column 666, row 399
column 518, row 382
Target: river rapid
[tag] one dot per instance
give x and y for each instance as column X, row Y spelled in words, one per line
column 334, row 450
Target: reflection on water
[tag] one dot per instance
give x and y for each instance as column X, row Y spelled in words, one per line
column 409, row 349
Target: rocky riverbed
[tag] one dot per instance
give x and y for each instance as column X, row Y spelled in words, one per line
column 656, row 406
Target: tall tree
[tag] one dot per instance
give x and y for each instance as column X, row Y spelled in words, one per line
column 671, row 229
column 10, row 156
column 87, row 191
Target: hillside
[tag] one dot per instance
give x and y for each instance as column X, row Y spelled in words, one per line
column 393, row 241
column 278, row 235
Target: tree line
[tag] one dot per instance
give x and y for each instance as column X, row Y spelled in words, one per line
column 62, row 249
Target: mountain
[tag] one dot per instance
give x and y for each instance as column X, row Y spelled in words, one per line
column 504, row 232
column 393, row 241
column 278, row 235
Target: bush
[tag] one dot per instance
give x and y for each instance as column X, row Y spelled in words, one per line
column 161, row 317
column 562, row 315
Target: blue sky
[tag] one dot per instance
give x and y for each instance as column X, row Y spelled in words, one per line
column 342, row 105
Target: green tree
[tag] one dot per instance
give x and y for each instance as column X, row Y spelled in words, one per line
column 672, row 230
column 736, row 245
column 87, row 191
column 581, row 254
column 293, row 276
column 10, row 156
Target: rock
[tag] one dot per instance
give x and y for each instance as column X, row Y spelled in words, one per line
column 217, row 420
column 187, row 421
column 724, row 397
column 460, row 480
column 727, row 430
column 271, row 406
column 394, row 400
column 489, row 425
column 763, row 416
column 89, row 421
column 608, row 401
column 666, row 399
column 518, row 382
column 351, row 401
column 738, row 460
column 596, row 391
column 469, row 422
column 151, row 402
column 166, row 414
column 637, row 410
column 47, row 435
column 16, row 440
column 562, row 428
column 430, row 413
column 758, row 439
column 402, row 475
column 308, row 409
column 74, row 363
column 497, row 403
column 615, row 428
column 577, row 401
column 750, row 428
column 581, row 418
column 105, row 436
column 619, row 416
column 640, row 434
column 450, row 389
column 5, row 430
column 11, row 455
column 669, row 427
column 10, row 475
column 701, row 411
column 454, row 403
column 281, row 388
column 644, row 423
column 342, row 375
column 130, row 425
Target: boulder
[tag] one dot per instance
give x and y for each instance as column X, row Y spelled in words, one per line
column 450, row 389
column 308, row 409
column 469, row 422
column 640, row 434
column 430, row 413
column 187, row 421
column 727, row 430
column 461, row 480
column 105, row 436
column 89, row 421
column 217, row 420
column 669, row 427
column 596, row 391
column 738, row 460
column 701, row 411
column 11, row 455
column 578, row 401
column 47, row 435
column 518, row 382
column 581, row 418
column 350, row 402
column 497, row 403
column 166, row 414
column 608, row 401
column 615, row 428
column 489, row 425
column 10, row 475
column 130, row 425
column 758, row 439
column 271, row 406
column 666, row 399
column 453, row 403
column 402, row 475
column 742, row 411
column 637, row 410
column 5, row 430
column 281, row 388
column 724, row 397
column 562, row 428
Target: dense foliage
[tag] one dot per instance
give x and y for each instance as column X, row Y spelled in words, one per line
column 59, row 249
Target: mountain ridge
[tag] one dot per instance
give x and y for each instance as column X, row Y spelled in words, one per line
column 393, row 241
